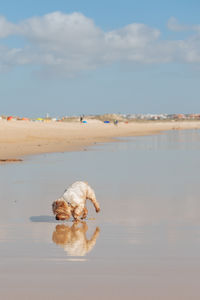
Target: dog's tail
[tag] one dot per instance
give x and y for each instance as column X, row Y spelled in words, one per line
column 91, row 196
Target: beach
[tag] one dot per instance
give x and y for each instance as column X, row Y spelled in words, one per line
column 21, row 138
column 144, row 244
column 99, row 150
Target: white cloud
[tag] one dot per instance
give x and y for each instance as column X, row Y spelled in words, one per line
column 174, row 25
column 62, row 32
column 70, row 43
column 6, row 28
column 129, row 42
column 9, row 58
column 74, row 43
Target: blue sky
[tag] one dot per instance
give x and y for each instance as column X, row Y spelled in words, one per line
column 73, row 57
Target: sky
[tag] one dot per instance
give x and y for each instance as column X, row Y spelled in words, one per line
column 77, row 57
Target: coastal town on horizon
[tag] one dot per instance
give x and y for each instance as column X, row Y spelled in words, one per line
column 107, row 117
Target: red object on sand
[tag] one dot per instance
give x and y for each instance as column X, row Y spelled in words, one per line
column 9, row 118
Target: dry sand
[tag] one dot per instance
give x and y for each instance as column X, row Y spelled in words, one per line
column 20, row 138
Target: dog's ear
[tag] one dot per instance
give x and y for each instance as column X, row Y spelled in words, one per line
column 61, row 210
column 59, row 204
column 54, row 206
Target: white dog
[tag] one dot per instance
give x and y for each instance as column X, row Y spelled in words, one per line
column 73, row 202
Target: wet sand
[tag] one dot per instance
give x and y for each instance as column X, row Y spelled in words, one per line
column 20, row 138
column 145, row 243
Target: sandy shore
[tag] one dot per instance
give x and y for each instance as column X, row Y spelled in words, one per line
column 20, row 138
column 143, row 245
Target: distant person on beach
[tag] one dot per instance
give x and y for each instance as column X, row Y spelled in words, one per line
column 81, row 119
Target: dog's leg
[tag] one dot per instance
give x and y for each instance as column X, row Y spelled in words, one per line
column 85, row 212
column 91, row 196
column 77, row 212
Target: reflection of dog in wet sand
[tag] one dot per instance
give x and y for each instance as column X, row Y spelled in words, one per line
column 73, row 239
column 73, row 202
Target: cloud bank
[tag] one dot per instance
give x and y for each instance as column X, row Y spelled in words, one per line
column 71, row 43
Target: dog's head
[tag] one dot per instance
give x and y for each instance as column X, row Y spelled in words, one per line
column 61, row 209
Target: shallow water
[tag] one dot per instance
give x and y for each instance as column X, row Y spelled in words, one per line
column 145, row 243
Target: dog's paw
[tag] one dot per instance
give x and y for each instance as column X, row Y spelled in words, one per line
column 98, row 209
